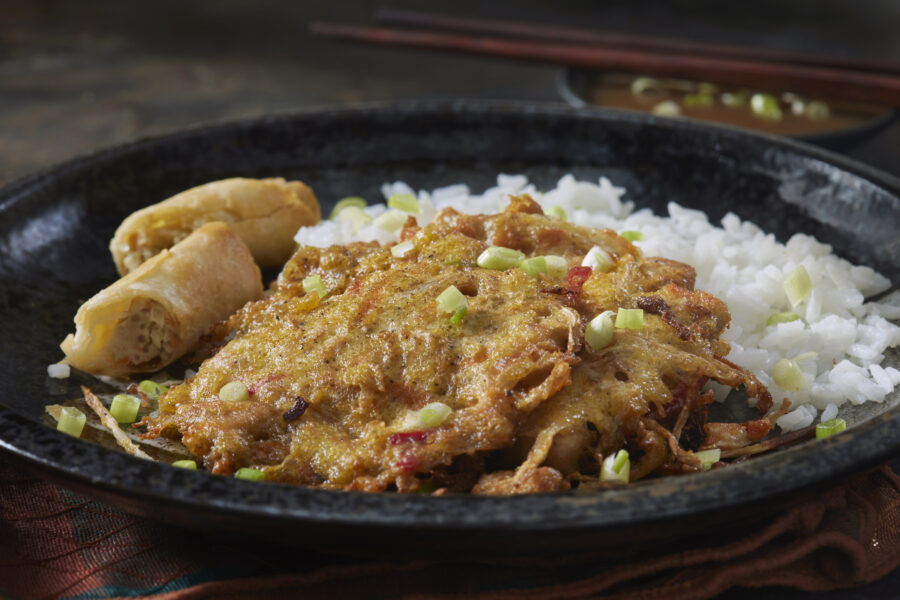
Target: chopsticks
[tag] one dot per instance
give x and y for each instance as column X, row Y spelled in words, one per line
column 866, row 82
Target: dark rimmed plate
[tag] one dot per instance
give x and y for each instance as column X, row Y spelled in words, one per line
column 55, row 227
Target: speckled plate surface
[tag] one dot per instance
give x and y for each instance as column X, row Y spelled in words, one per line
column 55, row 227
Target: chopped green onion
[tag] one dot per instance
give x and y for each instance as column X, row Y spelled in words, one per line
column 782, row 317
column 249, row 474
column 71, row 421
column 355, row 215
column 391, row 220
column 432, row 415
column 765, row 106
column 556, row 212
column 708, row 458
column 667, row 108
column 787, row 375
column 616, row 467
column 557, row 267
column 234, row 391
column 453, row 301
column 705, row 87
column 185, row 464
column 817, row 110
column 400, row 250
column 499, row 258
column 633, row 236
column 534, row 265
column 797, row 285
column 734, row 100
column 700, row 99
column 151, row 389
column 599, row 332
column 598, row 259
column 352, row 201
column 313, row 283
column 124, row 408
column 405, row 202
column 829, row 428
column 798, row 107
column 630, row 318
column 641, row 85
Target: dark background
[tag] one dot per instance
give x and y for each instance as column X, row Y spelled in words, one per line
column 79, row 76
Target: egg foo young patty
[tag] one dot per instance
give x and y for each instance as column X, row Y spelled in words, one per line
column 376, row 387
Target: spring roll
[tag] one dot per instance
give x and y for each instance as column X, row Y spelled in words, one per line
column 156, row 313
column 265, row 213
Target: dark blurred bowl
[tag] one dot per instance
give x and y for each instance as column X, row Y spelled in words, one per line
column 574, row 87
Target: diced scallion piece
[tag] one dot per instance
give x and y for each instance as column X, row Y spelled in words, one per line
column 667, row 108
column 185, row 464
column 432, row 415
column 782, row 317
column 616, row 467
column 71, row 421
column 708, row 458
column 151, row 389
column 234, row 391
column 699, row 100
column 765, row 106
column 557, row 267
column 556, row 212
column 534, row 265
column 124, row 408
column 633, row 236
column 355, row 215
column 351, row 201
column 391, row 220
column 313, row 283
column 734, row 100
column 598, row 259
column 816, row 110
column 630, row 318
column 453, row 301
column 400, row 250
column 250, row 474
column 829, row 428
column 499, row 258
column 599, row 332
column 405, row 202
column 797, row 285
column 645, row 85
column 787, row 375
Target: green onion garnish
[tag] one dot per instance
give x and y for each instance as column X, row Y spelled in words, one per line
column 499, row 258
column 249, row 474
column 667, row 108
column 765, row 106
column 630, row 318
column 797, row 285
column 392, row 220
column 432, row 415
column 787, row 375
column 124, row 408
column 234, row 391
column 151, row 389
column 816, row 110
column 452, row 301
column 405, row 202
column 616, row 467
column 598, row 259
column 556, row 212
column 352, row 201
column 355, row 215
column 642, row 85
column 734, row 100
column 829, row 428
column 599, row 332
column 185, row 464
column 699, row 99
column 782, row 317
column 400, row 250
column 534, row 265
column 633, row 236
column 557, row 267
column 71, row 421
column 313, row 283
column 708, row 458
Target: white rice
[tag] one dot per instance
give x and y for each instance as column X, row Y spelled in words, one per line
column 840, row 339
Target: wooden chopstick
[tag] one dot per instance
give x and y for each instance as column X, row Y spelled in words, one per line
column 830, row 83
column 623, row 41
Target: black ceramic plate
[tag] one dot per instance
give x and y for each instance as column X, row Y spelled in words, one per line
column 55, row 227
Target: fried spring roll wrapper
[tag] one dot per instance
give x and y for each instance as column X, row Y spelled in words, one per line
column 156, row 313
column 265, row 213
